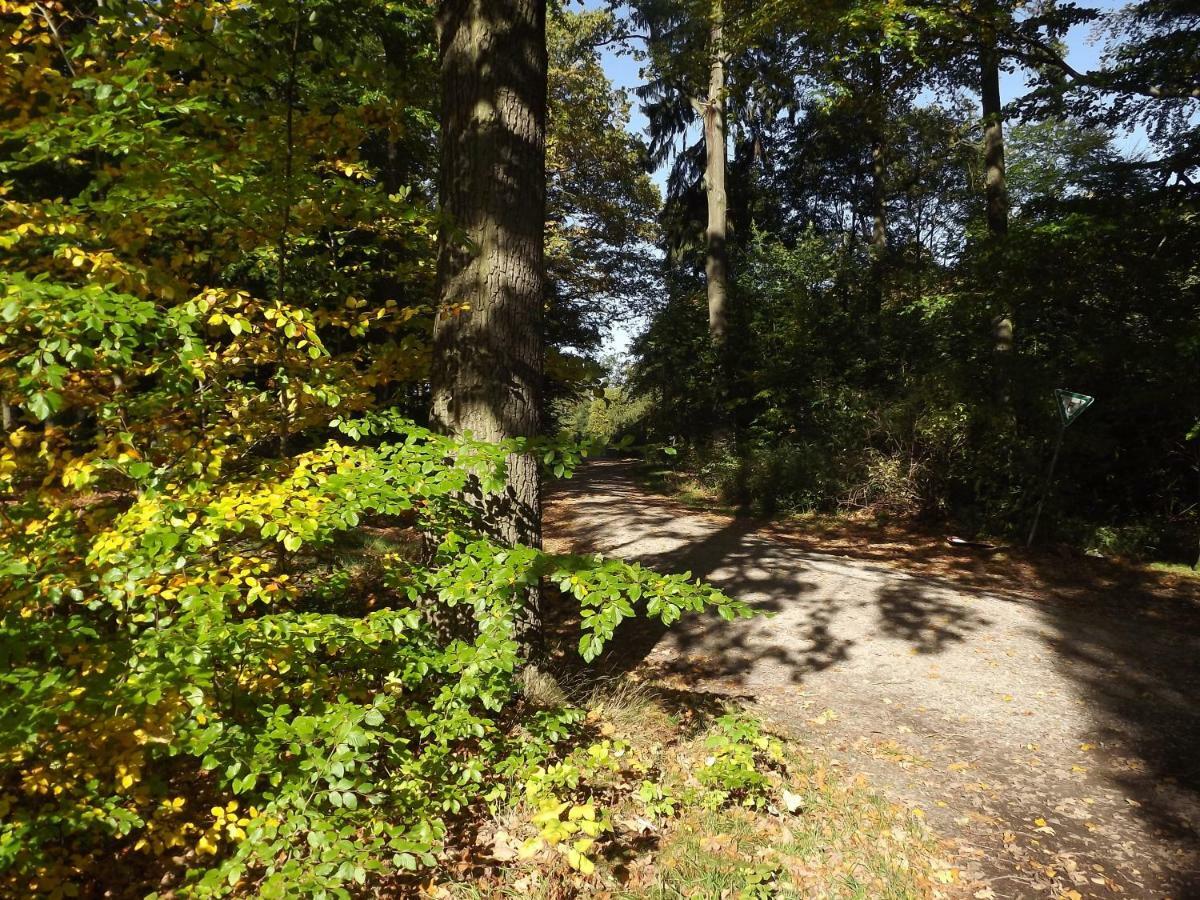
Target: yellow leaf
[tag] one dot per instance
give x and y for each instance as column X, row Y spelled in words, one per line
column 580, row 862
column 530, row 848
column 587, row 812
column 946, row 876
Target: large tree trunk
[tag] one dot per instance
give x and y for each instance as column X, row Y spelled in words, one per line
column 995, row 192
column 716, row 266
column 487, row 348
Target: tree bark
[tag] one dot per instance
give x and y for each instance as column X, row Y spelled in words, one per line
column 995, row 192
column 878, row 248
column 716, row 265
column 488, row 344
column 995, row 187
column 879, row 223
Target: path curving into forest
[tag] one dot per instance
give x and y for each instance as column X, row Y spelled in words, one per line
column 1054, row 742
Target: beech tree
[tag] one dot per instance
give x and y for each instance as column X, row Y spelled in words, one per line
column 488, row 347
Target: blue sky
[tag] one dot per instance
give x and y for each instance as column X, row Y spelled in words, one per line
column 1083, row 52
column 1084, row 49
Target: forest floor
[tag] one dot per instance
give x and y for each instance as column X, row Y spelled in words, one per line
column 1042, row 711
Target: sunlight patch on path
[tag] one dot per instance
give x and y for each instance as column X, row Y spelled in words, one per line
column 1053, row 743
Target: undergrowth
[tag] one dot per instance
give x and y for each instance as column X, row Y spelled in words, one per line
column 672, row 796
column 239, row 687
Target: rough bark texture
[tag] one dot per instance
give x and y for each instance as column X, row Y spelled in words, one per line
column 996, row 192
column 879, row 225
column 488, row 346
column 993, row 135
column 716, row 266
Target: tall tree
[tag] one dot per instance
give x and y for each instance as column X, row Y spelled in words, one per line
column 716, row 264
column 876, row 104
column 690, row 77
column 488, row 345
column 993, row 122
column 995, row 191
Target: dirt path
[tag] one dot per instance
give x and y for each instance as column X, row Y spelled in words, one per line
column 1054, row 742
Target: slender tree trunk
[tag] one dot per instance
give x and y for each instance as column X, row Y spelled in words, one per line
column 716, row 266
column 996, row 195
column 993, row 131
column 877, row 104
column 488, row 345
column 879, row 222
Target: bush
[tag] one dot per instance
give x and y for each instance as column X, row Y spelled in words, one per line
column 1129, row 541
column 205, row 685
column 605, row 416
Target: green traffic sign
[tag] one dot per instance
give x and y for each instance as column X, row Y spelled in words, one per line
column 1071, row 405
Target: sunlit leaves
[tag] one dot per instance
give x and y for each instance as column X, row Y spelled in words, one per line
column 199, row 644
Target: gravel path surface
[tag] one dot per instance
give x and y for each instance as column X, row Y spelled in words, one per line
column 1054, row 744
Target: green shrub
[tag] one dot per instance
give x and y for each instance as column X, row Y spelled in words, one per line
column 194, row 685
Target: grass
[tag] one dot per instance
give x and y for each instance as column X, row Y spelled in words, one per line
column 1179, row 570
column 684, row 488
column 705, row 802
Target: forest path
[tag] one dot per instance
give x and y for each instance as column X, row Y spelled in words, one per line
column 1053, row 741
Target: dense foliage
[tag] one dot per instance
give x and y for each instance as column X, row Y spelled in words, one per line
column 214, row 680
column 226, row 552
column 863, row 370
column 256, row 636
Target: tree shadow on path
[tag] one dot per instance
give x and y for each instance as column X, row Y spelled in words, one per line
column 742, row 558
column 1126, row 656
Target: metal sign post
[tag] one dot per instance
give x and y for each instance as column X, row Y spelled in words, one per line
column 1070, row 407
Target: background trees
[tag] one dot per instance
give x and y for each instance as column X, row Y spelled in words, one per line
column 602, row 207
column 237, row 273
column 918, row 262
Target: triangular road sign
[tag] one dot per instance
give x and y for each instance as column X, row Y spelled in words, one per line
column 1071, row 405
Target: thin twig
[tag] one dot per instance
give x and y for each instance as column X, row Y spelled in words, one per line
column 57, row 37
